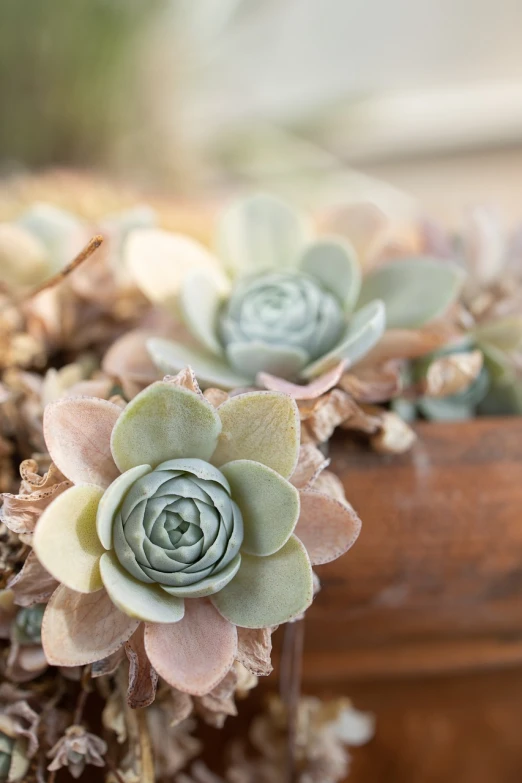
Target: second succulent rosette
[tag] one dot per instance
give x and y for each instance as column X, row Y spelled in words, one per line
column 181, row 516
column 276, row 300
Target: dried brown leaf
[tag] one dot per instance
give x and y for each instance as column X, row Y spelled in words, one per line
column 452, row 374
column 395, row 436
column 254, row 648
column 33, row 584
column 310, row 464
column 143, row 679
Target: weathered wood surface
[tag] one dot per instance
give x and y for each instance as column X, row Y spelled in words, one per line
column 434, row 582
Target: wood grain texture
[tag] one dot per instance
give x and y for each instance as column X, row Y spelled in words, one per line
column 434, row 582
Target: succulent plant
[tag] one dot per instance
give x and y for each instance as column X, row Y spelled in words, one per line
column 14, row 763
column 182, row 516
column 490, row 317
column 28, row 624
column 278, row 301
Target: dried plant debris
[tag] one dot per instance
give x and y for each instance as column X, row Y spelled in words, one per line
column 325, row 731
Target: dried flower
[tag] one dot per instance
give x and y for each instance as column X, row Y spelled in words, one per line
column 18, row 734
column 173, row 501
column 75, row 750
column 290, row 307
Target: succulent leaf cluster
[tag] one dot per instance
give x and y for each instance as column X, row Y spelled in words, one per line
column 275, row 299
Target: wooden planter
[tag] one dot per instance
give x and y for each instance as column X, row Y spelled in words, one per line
column 434, row 583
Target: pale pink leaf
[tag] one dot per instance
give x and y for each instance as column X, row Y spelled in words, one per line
column 80, row 628
column 326, row 527
column 128, row 362
column 310, row 391
column 77, row 432
column 194, row 654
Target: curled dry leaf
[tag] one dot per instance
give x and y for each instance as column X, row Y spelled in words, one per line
column 26, row 723
column 33, row 584
column 216, row 706
column 32, row 481
column 452, row 374
column 319, row 418
column 20, row 513
column 107, row 665
column 310, row 464
column 216, row 397
column 373, row 384
column 395, row 436
column 336, row 408
column 330, row 484
column 186, row 378
column 180, row 706
column 143, row 679
column 254, row 648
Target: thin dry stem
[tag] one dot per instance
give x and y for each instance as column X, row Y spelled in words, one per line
column 82, row 256
column 290, row 689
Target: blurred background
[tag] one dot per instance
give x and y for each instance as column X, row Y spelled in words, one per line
column 325, row 101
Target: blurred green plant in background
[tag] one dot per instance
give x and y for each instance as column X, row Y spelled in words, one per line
column 67, row 71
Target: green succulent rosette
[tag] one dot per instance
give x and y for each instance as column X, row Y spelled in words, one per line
column 275, row 300
column 181, row 517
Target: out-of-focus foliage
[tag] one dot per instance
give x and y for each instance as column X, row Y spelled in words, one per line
column 67, row 73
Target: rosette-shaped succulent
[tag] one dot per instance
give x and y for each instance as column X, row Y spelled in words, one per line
column 182, row 516
column 178, row 527
column 277, row 301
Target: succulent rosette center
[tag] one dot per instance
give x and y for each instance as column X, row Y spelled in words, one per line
column 178, row 526
column 282, row 309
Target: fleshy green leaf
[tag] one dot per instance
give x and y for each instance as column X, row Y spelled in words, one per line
column 259, row 233
column 260, row 426
column 200, row 299
column 209, row 585
column 333, row 262
column 251, row 358
column 66, row 542
column 268, row 590
column 164, row 422
column 111, row 500
column 136, row 599
column 365, row 329
column 171, row 357
column 414, row 290
column 159, row 261
column 269, row 505
column 505, row 334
